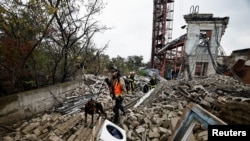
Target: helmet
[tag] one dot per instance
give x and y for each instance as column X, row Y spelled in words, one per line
column 113, row 69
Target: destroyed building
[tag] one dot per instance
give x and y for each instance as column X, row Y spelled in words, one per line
column 195, row 53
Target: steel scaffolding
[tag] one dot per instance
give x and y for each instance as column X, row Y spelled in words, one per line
column 162, row 32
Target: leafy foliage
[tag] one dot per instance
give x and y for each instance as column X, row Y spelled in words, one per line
column 51, row 41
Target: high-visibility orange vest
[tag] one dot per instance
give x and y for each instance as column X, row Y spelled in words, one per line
column 117, row 88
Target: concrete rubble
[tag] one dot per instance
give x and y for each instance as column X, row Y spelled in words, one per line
column 153, row 120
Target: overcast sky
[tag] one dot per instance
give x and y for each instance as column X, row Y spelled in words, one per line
column 132, row 24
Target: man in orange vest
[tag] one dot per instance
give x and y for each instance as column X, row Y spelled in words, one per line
column 118, row 90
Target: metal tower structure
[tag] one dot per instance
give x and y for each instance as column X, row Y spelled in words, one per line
column 162, row 32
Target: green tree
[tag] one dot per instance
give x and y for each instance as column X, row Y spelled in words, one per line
column 22, row 28
column 46, row 38
column 134, row 62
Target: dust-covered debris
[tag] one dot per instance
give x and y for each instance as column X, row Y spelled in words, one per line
column 154, row 119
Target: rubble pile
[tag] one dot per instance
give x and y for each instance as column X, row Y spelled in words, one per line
column 223, row 96
column 155, row 122
column 154, row 119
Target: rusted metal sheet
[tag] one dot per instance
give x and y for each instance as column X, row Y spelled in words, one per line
column 240, row 71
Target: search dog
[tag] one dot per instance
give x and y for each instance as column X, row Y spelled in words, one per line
column 91, row 108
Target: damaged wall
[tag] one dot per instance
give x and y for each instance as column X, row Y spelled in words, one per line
column 203, row 28
column 27, row 104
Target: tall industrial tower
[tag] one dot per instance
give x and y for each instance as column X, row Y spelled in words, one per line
column 162, row 32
